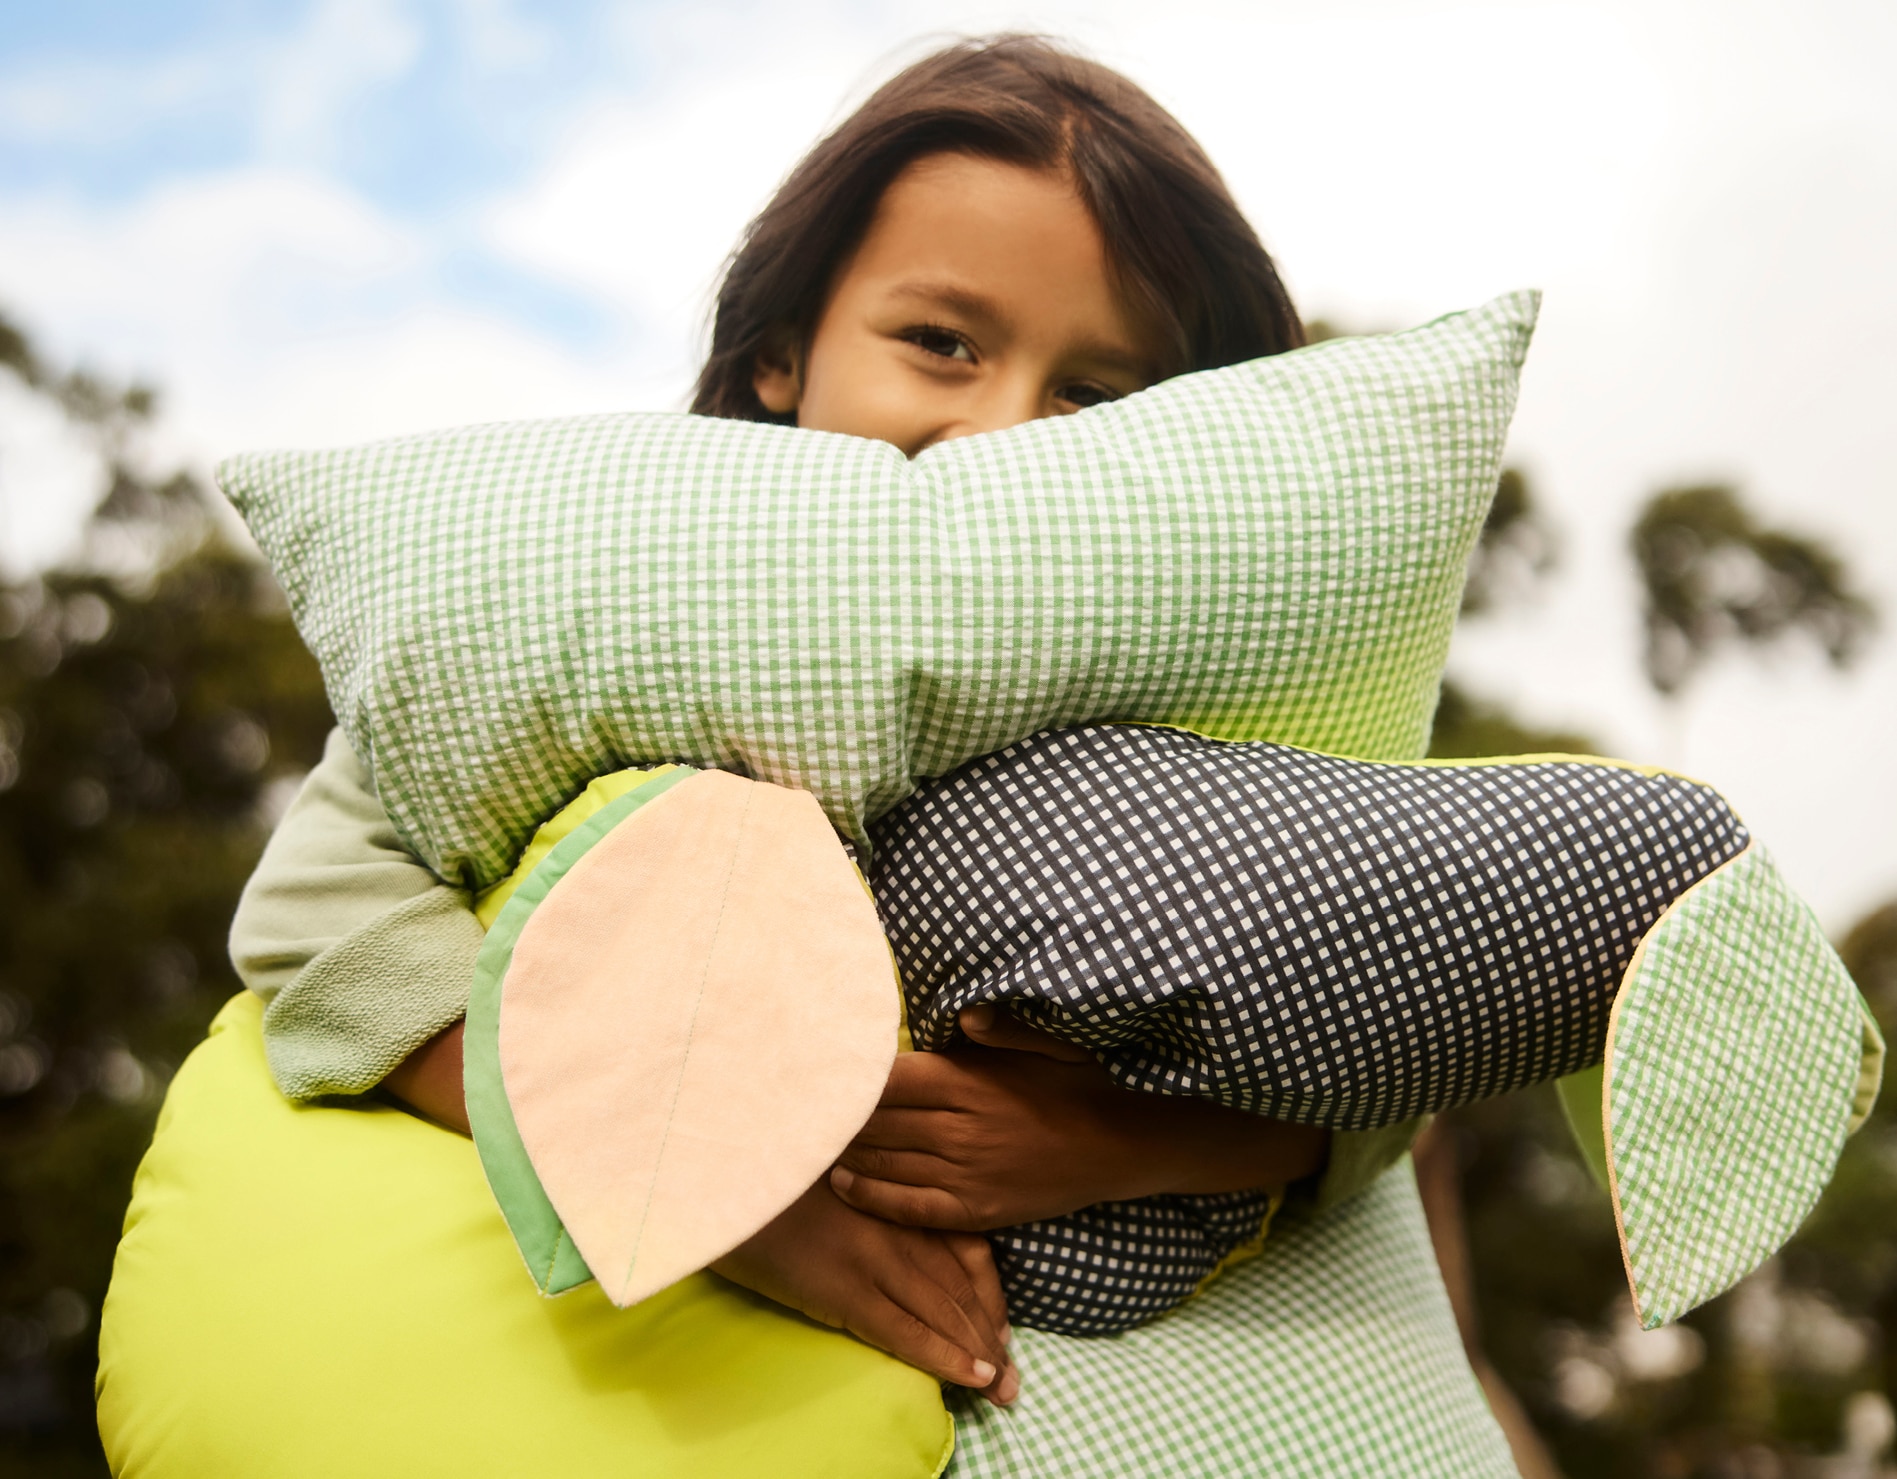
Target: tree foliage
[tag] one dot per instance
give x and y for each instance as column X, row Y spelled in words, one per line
column 1715, row 576
column 154, row 703
column 1469, row 727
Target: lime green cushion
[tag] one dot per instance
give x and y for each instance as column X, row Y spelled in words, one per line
column 311, row 1293
column 1274, row 550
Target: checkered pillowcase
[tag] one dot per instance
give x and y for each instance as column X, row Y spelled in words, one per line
column 1273, row 550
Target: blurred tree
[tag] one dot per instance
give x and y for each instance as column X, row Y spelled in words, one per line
column 1469, row 728
column 1870, row 950
column 155, row 706
column 1714, row 575
column 1849, row 1249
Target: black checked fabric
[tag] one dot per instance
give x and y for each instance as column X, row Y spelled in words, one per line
column 1118, row 1264
column 1327, row 941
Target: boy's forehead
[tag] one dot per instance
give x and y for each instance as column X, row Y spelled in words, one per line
column 956, row 200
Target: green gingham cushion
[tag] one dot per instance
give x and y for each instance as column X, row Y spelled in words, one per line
column 1733, row 1061
column 1332, row 1355
column 1273, row 550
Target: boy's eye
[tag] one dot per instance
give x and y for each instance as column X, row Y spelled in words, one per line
column 1083, row 395
column 945, row 342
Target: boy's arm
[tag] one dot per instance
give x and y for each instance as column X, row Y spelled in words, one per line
column 1357, row 1158
column 360, row 951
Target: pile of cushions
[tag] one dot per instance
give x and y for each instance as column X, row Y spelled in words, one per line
column 956, row 662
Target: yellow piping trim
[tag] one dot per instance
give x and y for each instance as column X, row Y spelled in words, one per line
column 1245, row 1251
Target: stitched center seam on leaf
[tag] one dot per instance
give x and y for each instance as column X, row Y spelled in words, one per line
column 698, row 1001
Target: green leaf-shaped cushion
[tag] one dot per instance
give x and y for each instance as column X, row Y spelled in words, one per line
column 1733, row 1062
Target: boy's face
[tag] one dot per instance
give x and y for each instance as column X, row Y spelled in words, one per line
column 980, row 298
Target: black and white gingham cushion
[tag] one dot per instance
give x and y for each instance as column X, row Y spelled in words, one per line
column 1327, row 941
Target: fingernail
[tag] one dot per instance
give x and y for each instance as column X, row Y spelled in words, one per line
column 842, row 1180
column 984, row 1373
column 1007, row 1335
column 1009, row 1389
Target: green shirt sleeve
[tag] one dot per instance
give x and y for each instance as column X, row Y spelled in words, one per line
column 360, row 952
column 1358, row 1157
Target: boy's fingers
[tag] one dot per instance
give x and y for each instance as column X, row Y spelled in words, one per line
column 911, row 1165
column 894, row 1201
column 997, row 1027
column 893, row 1328
column 927, row 1327
column 977, row 1257
column 938, row 1292
column 903, row 1291
column 943, row 1295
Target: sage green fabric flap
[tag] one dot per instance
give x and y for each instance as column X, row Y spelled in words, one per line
column 1271, row 550
column 1734, row 1057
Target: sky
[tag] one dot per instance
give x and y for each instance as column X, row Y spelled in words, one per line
column 322, row 222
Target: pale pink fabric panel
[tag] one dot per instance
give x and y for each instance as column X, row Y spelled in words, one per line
column 697, row 1019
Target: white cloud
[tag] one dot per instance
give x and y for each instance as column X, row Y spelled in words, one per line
column 234, row 260
column 279, row 96
column 309, row 80
column 502, row 36
column 425, row 367
column 89, row 102
column 278, row 307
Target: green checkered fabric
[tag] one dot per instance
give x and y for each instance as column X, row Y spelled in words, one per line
column 1273, row 550
column 1732, row 1068
column 1333, row 1353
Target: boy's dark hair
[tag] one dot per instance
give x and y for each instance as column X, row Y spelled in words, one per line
column 1181, row 250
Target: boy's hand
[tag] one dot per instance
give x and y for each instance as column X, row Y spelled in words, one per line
column 991, row 1136
column 932, row 1299
column 929, row 1298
